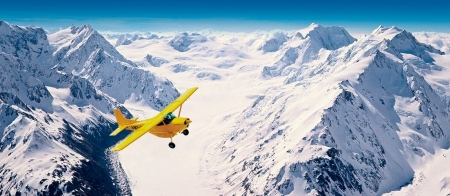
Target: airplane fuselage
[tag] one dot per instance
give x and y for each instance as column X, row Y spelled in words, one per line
column 164, row 130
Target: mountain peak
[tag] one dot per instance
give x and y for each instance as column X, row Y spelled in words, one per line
column 405, row 42
column 387, row 31
column 331, row 38
column 274, row 41
column 75, row 30
column 4, row 27
column 182, row 41
column 396, row 28
column 311, row 27
column 380, row 28
column 3, row 23
column 401, row 41
column 314, row 25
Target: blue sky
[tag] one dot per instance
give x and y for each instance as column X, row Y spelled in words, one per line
column 229, row 15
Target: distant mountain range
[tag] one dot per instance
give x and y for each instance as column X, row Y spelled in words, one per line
column 330, row 114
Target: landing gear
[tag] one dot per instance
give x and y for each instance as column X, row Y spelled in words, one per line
column 172, row 145
column 185, row 132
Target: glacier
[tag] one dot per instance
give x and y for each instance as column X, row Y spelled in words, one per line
column 343, row 116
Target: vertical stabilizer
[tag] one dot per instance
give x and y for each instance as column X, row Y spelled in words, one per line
column 121, row 121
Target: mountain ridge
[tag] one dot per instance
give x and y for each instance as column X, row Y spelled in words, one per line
column 299, row 113
column 55, row 125
column 378, row 163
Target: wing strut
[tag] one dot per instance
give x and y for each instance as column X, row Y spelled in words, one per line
column 179, row 111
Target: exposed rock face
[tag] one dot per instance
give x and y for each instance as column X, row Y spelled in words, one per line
column 56, row 101
column 359, row 135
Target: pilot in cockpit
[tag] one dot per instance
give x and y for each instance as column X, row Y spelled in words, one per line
column 169, row 117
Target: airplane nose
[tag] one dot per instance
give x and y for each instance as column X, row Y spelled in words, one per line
column 187, row 121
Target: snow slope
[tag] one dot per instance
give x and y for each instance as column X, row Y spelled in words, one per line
column 206, row 108
column 287, row 114
column 55, row 122
column 430, row 177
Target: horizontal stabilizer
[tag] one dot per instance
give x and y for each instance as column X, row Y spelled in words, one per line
column 118, row 130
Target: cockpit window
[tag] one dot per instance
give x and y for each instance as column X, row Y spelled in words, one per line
column 168, row 118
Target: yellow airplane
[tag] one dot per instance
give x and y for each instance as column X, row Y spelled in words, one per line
column 164, row 125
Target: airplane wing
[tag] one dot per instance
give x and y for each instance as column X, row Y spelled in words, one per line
column 137, row 134
column 175, row 104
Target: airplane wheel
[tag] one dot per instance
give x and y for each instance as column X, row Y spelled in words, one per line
column 185, row 132
column 172, row 145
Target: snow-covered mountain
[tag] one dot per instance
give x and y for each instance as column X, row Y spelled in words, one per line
column 128, row 38
column 359, row 121
column 309, row 112
column 56, row 113
column 308, row 45
column 82, row 51
column 153, row 61
column 273, row 42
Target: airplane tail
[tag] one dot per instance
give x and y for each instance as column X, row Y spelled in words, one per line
column 121, row 121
